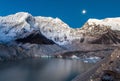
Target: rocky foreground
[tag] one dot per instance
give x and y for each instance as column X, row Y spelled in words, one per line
column 110, row 70
column 106, row 69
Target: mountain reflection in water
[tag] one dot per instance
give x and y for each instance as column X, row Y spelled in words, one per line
column 42, row 69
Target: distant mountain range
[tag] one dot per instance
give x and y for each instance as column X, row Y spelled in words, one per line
column 21, row 26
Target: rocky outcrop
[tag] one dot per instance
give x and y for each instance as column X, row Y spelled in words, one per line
column 84, row 51
column 110, row 37
column 11, row 53
column 109, row 71
column 99, row 32
column 27, row 51
column 35, row 38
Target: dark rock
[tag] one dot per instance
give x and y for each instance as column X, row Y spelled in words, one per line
column 110, row 37
column 108, row 76
column 35, row 38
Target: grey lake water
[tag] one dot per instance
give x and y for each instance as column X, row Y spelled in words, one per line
column 42, row 69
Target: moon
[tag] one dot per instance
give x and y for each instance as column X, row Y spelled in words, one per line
column 84, row 11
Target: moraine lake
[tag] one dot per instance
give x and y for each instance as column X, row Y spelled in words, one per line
column 42, row 69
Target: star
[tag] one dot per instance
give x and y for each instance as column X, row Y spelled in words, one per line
column 84, row 11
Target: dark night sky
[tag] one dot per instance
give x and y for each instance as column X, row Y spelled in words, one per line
column 70, row 11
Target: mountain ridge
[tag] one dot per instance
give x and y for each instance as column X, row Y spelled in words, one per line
column 23, row 24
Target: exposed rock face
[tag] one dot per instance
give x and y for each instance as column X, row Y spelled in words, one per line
column 109, row 71
column 101, row 31
column 28, row 50
column 35, row 38
column 110, row 37
column 87, row 50
column 11, row 53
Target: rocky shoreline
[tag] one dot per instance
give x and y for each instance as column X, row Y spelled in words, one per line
column 106, row 69
column 110, row 70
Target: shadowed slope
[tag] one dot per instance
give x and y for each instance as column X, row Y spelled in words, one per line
column 35, row 39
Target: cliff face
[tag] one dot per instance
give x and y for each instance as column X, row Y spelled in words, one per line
column 35, row 38
column 102, row 31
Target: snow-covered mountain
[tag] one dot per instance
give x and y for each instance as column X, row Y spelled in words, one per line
column 113, row 23
column 54, row 29
column 105, row 31
column 22, row 25
column 16, row 26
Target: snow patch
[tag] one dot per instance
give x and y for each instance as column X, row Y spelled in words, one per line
column 92, row 59
column 74, row 57
column 114, row 23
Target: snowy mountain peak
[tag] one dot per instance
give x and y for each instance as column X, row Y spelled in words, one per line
column 22, row 24
column 113, row 23
column 16, row 17
column 22, row 16
column 54, row 29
